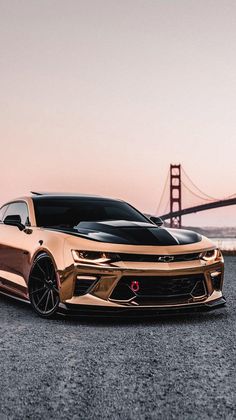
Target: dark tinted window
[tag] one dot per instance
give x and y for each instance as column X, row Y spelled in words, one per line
column 2, row 211
column 18, row 209
column 64, row 212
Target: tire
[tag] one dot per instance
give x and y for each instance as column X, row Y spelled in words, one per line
column 43, row 288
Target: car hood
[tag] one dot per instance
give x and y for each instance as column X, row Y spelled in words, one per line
column 132, row 233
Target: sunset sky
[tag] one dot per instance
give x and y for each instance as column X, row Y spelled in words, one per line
column 101, row 96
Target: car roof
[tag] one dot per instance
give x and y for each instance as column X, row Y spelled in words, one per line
column 40, row 196
column 37, row 196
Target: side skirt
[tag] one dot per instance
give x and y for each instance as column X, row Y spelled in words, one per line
column 15, row 297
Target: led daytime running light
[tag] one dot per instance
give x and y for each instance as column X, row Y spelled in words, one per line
column 91, row 257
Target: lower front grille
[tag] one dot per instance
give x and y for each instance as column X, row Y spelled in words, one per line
column 83, row 284
column 160, row 288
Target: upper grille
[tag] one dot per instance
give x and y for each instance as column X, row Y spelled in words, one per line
column 155, row 258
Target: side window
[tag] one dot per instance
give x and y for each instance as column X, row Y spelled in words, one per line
column 2, row 212
column 19, row 209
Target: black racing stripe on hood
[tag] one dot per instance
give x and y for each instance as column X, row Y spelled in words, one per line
column 131, row 233
column 185, row 237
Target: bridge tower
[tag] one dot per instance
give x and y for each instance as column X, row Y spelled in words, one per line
column 175, row 194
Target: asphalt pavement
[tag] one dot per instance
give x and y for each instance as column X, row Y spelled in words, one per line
column 168, row 368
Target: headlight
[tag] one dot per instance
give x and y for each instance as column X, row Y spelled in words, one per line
column 94, row 257
column 210, row 255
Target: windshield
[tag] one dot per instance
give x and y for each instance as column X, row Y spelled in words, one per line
column 69, row 212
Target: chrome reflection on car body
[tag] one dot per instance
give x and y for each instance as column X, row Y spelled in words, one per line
column 149, row 268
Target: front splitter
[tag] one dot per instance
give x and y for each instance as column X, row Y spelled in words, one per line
column 73, row 310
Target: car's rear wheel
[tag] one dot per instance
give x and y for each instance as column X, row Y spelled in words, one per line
column 43, row 287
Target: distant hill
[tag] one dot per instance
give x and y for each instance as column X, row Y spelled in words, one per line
column 214, row 231
column 210, row 231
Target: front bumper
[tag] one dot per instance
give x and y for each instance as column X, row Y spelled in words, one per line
column 99, row 300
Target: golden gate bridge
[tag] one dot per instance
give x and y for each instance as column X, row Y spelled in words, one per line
column 171, row 202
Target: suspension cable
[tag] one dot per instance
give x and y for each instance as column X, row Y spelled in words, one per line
column 167, row 207
column 230, row 196
column 162, row 195
column 206, row 195
column 196, row 195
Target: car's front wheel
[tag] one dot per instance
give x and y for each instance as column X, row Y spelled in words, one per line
column 43, row 288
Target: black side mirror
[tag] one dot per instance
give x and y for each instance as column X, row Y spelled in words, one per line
column 157, row 220
column 14, row 220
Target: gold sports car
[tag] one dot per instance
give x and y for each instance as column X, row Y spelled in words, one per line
column 85, row 254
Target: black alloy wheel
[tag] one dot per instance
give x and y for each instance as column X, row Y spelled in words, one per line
column 43, row 288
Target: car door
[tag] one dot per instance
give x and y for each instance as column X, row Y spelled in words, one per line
column 13, row 248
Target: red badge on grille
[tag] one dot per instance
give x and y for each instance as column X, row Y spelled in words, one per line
column 134, row 286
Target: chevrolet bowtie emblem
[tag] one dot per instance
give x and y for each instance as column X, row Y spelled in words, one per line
column 166, row 258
